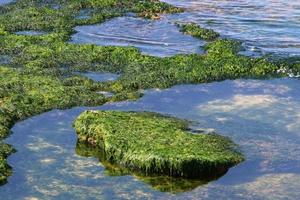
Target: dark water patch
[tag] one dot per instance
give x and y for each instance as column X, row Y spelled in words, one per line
column 154, row 37
column 5, row 59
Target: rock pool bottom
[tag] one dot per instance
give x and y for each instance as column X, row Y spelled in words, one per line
column 263, row 117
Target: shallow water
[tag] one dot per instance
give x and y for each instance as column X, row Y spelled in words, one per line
column 263, row 117
column 3, row 2
column 153, row 37
column 5, row 59
column 266, row 26
column 84, row 14
column 100, row 77
column 30, row 32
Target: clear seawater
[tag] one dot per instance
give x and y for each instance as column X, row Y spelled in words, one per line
column 265, row 26
column 263, row 117
column 152, row 37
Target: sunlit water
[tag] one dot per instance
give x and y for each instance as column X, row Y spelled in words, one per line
column 152, row 37
column 263, row 117
column 266, row 26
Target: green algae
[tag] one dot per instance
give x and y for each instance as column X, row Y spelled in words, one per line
column 141, row 142
column 39, row 77
column 197, row 31
column 220, row 62
column 5, row 169
column 25, row 95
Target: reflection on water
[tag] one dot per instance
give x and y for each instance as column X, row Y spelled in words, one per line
column 158, row 37
column 161, row 183
column 265, row 25
column 263, row 117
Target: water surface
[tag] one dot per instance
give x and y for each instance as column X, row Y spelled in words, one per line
column 266, row 26
column 31, row 32
column 3, row 2
column 100, row 77
column 153, row 37
column 5, row 59
column 263, row 117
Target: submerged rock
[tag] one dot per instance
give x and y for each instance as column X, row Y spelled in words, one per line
column 155, row 144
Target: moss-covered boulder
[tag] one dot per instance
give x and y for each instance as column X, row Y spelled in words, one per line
column 156, row 144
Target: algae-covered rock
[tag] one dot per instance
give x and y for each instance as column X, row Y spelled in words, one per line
column 197, row 31
column 155, row 144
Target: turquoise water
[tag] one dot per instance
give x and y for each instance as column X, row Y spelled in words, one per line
column 261, row 116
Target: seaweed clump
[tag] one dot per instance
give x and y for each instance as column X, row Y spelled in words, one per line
column 197, row 31
column 141, row 142
column 5, row 169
